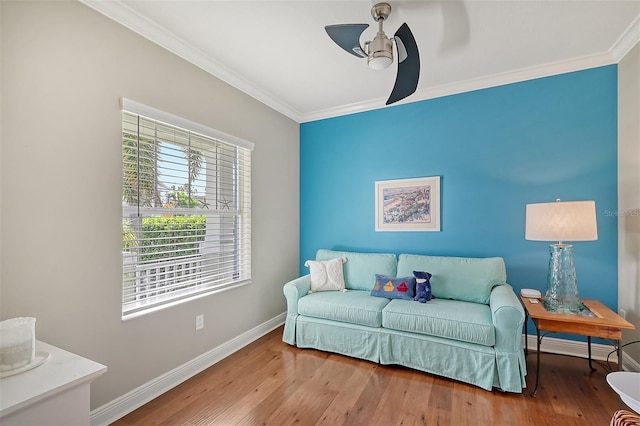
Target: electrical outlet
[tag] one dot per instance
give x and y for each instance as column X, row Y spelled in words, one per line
column 199, row 322
column 622, row 313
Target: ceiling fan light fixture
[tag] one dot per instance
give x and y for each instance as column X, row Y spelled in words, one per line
column 379, row 52
column 379, row 62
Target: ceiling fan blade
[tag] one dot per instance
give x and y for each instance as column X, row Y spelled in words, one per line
column 408, row 65
column 347, row 36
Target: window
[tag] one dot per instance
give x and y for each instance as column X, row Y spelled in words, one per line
column 186, row 209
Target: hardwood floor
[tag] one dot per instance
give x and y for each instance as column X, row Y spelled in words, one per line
column 271, row 383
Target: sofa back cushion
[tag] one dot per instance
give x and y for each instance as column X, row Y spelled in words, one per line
column 458, row 278
column 360, row 269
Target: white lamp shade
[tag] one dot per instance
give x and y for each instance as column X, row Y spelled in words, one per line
column 562, row 221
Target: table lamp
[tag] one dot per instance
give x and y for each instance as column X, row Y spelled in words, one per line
column 562, row 221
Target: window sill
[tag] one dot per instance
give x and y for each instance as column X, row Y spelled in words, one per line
column 144, row 309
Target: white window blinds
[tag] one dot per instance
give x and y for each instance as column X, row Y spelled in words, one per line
column 186, row 209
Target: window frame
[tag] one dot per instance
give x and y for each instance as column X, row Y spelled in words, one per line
column 240, row 217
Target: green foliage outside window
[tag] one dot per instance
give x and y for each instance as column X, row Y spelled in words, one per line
column 166, row 237
column 129, row 239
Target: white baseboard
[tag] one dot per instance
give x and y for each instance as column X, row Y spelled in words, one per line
column 629, row 364
column 123, row 405
column 580, row 349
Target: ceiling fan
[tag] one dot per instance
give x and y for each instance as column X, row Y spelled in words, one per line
column 379, row 51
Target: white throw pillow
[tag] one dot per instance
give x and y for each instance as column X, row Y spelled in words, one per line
column 326, row 275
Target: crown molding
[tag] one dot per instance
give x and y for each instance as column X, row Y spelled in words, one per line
column 126, row 16
column 493, row 80
column 129, row 18
column 627, row 40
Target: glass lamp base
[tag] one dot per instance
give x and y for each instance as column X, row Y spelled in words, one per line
column 563, row 307
column 562, row 286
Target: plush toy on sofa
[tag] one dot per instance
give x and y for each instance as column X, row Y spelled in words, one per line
column 423, row 286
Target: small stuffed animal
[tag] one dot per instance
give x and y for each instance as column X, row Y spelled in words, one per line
column 423, row 286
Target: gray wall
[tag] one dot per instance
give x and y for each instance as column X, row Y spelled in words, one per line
column 64, row 68
column 629, row 195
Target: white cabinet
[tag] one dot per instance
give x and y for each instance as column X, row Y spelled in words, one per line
column 54, row 393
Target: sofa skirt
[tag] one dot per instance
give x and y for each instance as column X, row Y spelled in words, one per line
column 353, row 340
column 466, row 362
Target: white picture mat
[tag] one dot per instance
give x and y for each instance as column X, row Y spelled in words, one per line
column 411, row 205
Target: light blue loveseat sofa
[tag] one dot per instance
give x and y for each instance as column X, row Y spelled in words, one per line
column 470, row 331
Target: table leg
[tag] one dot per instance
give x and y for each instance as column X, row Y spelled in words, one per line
column 538, row 338
column 589, row 351
column 619, row 355
column 526, row 334
column 619, row 350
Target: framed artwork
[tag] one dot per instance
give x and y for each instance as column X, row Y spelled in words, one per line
column 408, row 205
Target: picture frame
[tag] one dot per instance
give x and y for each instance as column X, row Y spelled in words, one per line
column 408, row 205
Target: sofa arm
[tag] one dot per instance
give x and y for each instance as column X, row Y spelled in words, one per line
column 508, row 318
column 293, row 291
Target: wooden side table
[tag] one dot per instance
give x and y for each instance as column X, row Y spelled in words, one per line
column 606, row 325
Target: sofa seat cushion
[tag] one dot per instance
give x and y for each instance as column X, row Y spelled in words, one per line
column 451, row 319
column 354, row 306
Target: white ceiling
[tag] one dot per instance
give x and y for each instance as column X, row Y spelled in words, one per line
column 279, row 53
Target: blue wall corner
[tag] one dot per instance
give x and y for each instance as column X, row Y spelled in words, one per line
column 496, row 150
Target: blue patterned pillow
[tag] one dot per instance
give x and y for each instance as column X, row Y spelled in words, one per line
column 394, row 288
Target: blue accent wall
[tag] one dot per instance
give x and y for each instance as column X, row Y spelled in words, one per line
column 496, row 150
